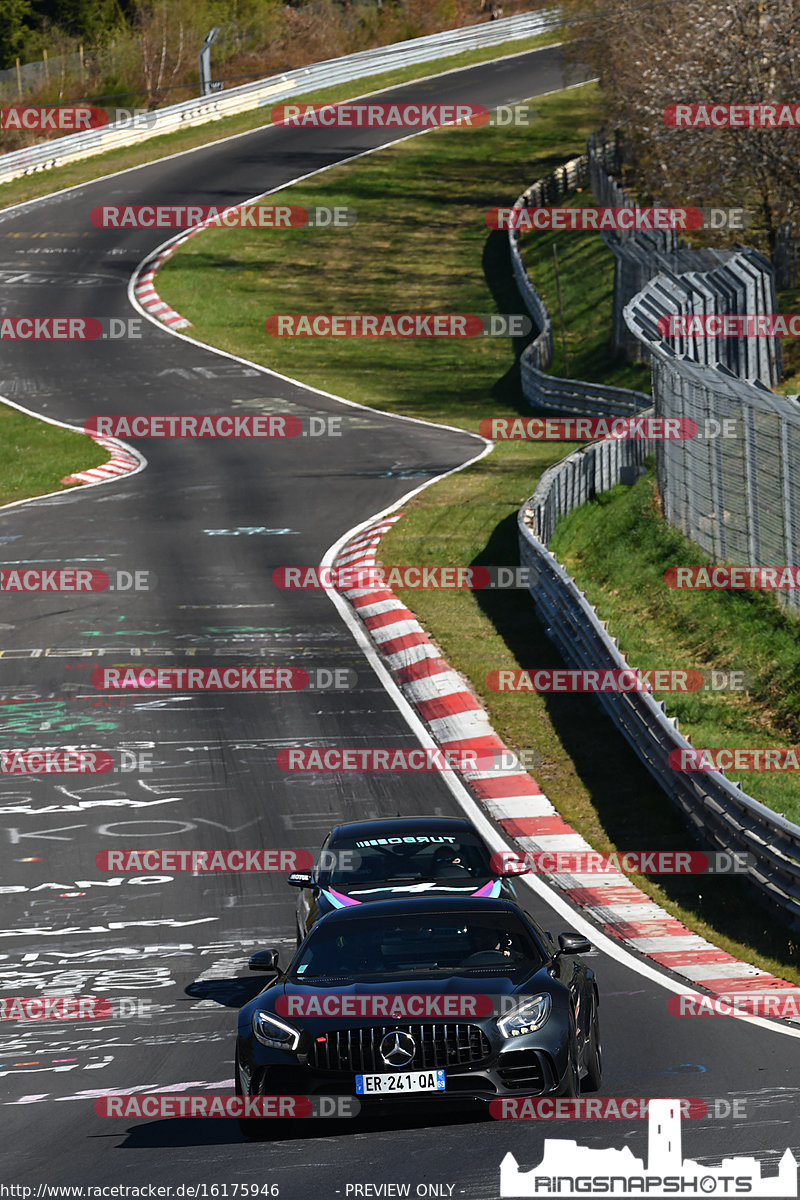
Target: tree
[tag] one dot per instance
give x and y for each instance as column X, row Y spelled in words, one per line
column 649, row 57
column 15, row 16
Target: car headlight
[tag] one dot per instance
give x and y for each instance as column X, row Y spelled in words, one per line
column 528, row 1016
column 274, row 1033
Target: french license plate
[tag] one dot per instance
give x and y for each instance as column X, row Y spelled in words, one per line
column 400, row 1082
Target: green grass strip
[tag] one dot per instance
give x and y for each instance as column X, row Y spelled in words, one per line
column 35, row 456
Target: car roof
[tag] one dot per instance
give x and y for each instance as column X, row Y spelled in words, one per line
column 434, row 906
column 398, row 826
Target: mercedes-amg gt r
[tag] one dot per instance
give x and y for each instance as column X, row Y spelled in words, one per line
column 525, row 1023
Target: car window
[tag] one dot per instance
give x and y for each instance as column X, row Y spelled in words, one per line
column 439, row 858
column 417, row 945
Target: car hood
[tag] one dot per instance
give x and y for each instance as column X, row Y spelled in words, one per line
column 477, row 984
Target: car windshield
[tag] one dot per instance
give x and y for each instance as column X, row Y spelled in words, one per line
column 436, row 857
column 424, row 944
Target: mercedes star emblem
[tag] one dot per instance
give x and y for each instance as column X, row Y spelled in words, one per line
column 397, row 1048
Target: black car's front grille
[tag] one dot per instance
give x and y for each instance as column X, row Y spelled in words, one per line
column 435, row 1046
column 522, row 1069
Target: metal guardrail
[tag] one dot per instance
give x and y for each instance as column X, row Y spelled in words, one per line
column 718, row 812
column 716, row 809
column 76, row 146
column 541, row 389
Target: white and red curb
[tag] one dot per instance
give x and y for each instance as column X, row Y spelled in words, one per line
column 144, row 285
column 513, row 798
column 123, row 461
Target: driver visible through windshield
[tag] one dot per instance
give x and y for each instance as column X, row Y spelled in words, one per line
column 411, row 945
column 439, row 858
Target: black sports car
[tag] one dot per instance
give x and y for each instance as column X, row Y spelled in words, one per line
column 532, row 1031
column 392, row 857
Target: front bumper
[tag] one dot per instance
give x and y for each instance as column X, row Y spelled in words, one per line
column 530, row 1070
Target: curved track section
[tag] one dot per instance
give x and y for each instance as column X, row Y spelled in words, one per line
column 210, row 521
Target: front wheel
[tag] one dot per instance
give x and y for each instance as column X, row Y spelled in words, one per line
column 572, row 1080
column 594, row 1055
column 249, row 1127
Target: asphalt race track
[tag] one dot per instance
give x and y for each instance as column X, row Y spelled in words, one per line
column 209, row 521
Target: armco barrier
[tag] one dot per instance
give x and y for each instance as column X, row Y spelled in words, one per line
column 248, row 96
column 541, row 389
column 717, row 811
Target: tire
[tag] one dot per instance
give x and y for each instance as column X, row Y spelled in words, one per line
column 249, row 1127
column 572, row 1079
column 594, row 1055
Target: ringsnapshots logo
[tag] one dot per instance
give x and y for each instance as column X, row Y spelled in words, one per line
column 398, row 325
column 666, row 679
column 239, row 216
column 213, row 425
column 407, row 115
column 569, row 1170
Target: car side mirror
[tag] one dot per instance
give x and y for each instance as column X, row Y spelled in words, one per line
column 264, row 960
column 300, row 879
column 573, row 943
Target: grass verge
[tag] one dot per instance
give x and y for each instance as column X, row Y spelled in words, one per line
column 35, row 456
column 617, row 548
column 433, row 191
